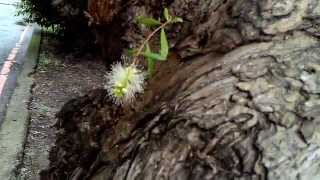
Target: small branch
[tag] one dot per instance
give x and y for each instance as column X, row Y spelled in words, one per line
column 147, row 40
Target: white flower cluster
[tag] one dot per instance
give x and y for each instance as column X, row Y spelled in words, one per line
column 124, row 82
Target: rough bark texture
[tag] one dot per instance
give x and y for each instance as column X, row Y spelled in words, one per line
column 247, row 114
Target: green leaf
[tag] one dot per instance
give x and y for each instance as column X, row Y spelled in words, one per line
column 151, row 62
column 166, row 14
column 131, row 52
column 154, row 56
column 164, row 45
column 177, row 20
column 148, row 21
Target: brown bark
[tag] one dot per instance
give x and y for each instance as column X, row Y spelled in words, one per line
column 247, row 109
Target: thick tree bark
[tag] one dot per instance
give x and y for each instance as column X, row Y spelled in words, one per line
column 247, row 109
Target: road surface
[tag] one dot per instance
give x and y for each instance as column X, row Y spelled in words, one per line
column 9, row 30
column 11, row 43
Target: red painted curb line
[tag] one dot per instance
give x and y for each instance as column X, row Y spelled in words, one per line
column 11, row 60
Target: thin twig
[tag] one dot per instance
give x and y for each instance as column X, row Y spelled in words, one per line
column 147, row 40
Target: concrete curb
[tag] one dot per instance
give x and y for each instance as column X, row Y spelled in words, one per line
column 14, row 128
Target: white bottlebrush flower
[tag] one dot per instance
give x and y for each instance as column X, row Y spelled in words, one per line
column 124, row 82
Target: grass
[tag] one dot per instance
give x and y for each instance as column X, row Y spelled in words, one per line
column 46, row 61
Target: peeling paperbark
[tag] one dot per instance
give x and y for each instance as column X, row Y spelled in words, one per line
column 249, row 114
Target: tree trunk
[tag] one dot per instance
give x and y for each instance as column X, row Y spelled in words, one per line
column 246, row 108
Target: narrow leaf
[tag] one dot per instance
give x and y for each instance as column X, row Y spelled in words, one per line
column 177, row 20
column 148, row 21
column 131, row 52
column 151, row 62
column 164, row 45
column 166, row 14
column 154, row 56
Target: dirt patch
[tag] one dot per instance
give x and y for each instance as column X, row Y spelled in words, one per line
column 59, row 77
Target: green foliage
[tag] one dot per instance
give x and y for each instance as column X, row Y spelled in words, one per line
column 167, row 15
column 154, row 56
column 47, row 60
column 148, row 21
column 177, row 20
column 162, row 55
column 39, row 11
column 164, row 45
column 151, row 61
column 50, row 15
column 124, row 81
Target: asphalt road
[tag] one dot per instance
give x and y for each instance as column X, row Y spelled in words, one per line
column 11, row 45
column 9, row 30
column 19, row 47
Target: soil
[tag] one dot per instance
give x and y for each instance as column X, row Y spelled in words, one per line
column 58, row 77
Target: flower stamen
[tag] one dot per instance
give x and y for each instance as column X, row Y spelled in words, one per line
column 124, row 82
